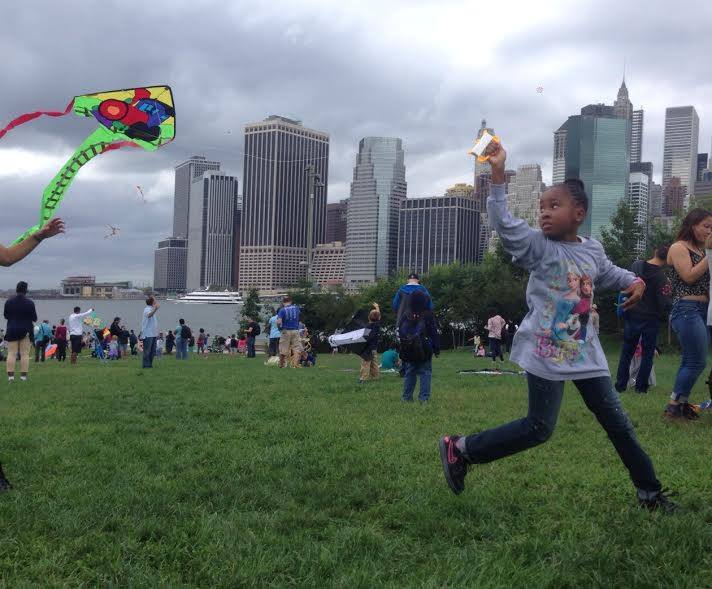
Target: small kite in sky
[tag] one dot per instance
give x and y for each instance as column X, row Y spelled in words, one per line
column 140, row 191
column 136, row 117
column 114, row 231
column 540, row 89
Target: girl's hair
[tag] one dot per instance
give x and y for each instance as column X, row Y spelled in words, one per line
column 374, row 315
column 694, row 217
column 576, row 190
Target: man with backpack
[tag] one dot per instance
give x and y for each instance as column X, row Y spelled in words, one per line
column 419, row 342
column 253, row 330
column 401, row 302
column 183, row 334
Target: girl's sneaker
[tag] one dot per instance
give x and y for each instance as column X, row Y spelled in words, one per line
column 454, row 465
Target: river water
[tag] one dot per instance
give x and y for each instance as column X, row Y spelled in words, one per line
column 215, row 319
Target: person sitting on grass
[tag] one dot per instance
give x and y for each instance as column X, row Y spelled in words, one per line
column 308, row 359
column 390, row 360
column 552, row 256
column 369, row 358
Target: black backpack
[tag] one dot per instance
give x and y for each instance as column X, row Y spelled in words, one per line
column 256, row 329
column 413, row 339
column 186, row 333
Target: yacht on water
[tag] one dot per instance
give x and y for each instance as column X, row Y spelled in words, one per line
column 215, row 297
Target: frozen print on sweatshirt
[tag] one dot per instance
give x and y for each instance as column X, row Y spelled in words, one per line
column 564, row 334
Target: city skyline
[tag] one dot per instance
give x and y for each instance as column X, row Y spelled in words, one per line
column 337, row 70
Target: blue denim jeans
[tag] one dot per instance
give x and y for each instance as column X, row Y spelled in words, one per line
column 149, row 351
column 413, row 370
column 636, row 329
column 689, row 321
column 538, row 426
column 250, row 346
column 181, row 349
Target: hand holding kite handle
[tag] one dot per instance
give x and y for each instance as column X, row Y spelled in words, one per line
column 50, row 229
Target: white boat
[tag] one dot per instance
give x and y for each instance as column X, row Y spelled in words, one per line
column 215, row 297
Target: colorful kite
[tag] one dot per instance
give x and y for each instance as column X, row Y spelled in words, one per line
column 94, row 321
column 140, row 191
column 136, row 117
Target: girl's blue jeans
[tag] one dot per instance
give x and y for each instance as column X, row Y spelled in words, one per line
column 538, row 426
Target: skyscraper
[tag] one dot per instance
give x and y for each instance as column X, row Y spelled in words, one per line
column 169, row 265
column 593, row 147
column 377, row 192
column 214, row 203
column 273, row 255
column 481, row 167
column 655, row 199
column 636, row 137
column 185, row 174
column 674, row 194
column 639, row 185
column 461, row 189
column 336, row 214
column 438, row 230
column 680, row 148
column 525, row 191
column 701, row 165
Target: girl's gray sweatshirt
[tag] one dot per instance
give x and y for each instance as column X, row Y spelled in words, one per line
column 556, row 340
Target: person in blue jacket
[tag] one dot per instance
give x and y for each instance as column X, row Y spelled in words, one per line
column 402, row 298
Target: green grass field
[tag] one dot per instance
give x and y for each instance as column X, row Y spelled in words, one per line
column 227, row 473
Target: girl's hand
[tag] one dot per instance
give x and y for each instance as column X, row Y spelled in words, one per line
column 635, row 291
column 497, row 155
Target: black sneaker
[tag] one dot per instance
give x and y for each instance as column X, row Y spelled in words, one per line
column 660, row 502
column 688, row 412
column 4, row 483
column 454, row 465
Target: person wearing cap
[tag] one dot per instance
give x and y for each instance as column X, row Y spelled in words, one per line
column 402, row 299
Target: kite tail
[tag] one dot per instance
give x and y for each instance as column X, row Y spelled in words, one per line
column 97, row 143
column 26, row 118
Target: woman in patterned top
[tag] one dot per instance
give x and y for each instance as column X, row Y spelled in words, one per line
column 690, row 297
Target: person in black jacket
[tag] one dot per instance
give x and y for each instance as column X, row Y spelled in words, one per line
column 369, row 359
column 8, row 256
column 20, row 314
column 642, row 323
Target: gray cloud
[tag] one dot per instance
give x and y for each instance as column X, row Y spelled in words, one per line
column 407, row 69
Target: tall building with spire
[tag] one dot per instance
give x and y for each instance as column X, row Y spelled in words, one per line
column 623, row 109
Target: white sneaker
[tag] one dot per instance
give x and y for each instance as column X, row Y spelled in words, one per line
column 10, row 379
column 23, row 378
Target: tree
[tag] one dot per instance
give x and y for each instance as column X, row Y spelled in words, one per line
column 251, row 308
column 661, row 233
column 621, row 240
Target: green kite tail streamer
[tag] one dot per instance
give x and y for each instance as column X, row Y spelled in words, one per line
column 96, row 144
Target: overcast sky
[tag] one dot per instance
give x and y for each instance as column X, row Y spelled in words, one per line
column 425, row 71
